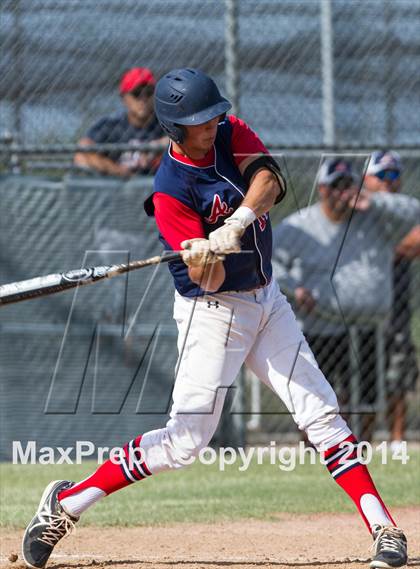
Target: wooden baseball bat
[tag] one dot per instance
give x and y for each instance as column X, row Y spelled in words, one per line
column 50, row 284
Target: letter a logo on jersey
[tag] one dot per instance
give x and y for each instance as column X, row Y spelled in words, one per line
column 218, row 209
column 262, row 221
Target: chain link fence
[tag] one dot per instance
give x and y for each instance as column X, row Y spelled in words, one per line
column 299, row 72
column 111, row 349
column 364, row 325
column 324, row 74
column 97, row 363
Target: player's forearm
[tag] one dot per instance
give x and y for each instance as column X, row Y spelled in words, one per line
column 262, row 192
column 210, row 277
column 100, row 163
column 409, row 247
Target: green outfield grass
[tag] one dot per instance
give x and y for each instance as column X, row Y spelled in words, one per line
column 202, row 493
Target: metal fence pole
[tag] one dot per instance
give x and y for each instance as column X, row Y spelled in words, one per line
column 231, row 54
column 381, row 401
column 254, row 384
column 238, row 409
column 231, row 430
column 389, row 71
column 11, row 157
column 355, row 379
column 18, row 70
column 327, row 69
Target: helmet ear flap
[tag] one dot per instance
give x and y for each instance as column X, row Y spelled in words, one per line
column 175, row 132
column 179, row 132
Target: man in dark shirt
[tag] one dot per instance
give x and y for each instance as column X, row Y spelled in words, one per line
column 137, row 123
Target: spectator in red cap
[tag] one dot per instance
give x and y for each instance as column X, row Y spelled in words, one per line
column 137, row 123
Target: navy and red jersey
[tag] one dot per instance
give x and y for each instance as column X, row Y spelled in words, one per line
column 193, row 198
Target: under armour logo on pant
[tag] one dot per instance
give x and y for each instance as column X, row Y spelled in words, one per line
column 211, row 303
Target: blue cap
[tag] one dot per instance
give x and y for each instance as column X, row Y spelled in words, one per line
column 333, row 170
column 383, row 160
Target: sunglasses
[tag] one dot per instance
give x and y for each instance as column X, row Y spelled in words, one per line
column 390, row 175
column 143, row 92
column 342, row 183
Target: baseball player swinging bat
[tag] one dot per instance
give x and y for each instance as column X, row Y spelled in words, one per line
column 50, row 284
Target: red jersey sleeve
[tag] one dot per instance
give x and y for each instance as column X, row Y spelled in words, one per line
column 244, row 141
column 176, row 221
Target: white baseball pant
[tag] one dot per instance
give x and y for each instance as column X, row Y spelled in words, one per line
column 217, row 334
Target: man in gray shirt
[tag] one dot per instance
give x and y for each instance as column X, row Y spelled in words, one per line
column 334, row 261
column 384, row 174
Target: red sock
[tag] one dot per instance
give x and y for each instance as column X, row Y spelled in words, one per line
column 111, row 476
column 353, row 477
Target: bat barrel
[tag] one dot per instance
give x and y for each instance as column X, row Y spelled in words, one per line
column 51, row 284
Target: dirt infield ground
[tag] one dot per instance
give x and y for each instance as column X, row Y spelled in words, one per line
column 322, row 540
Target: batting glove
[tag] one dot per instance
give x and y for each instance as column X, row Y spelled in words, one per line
column 197, row 253
column 227, row 239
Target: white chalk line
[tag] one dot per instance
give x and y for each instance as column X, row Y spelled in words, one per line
column 230, row 561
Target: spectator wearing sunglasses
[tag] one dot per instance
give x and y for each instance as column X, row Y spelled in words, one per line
column 384, row 174
column 334, row 260
column 136, row 124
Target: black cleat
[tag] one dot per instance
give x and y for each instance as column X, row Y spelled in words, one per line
column 47, row 527
column 389, row 547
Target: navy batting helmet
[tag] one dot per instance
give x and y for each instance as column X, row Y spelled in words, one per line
column 187, row 97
